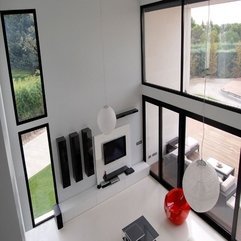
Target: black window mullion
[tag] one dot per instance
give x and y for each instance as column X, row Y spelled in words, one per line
column 160, row 137
column 181, row 149
column 237, row 203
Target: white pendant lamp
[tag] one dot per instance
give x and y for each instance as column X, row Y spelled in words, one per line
column 201, row 186
column 106, row 119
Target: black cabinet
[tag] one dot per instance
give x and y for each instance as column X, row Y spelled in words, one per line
column 76, row 156
column 88, row 151
column 63, row 159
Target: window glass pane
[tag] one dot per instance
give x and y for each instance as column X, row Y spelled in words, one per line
column 37, row 162
column 170, row 126
column 152, row 137
column 24, row 65
column 162, row 47
column 212, row 68
column 220, row 149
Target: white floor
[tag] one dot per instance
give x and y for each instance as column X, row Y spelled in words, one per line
column 105, row 221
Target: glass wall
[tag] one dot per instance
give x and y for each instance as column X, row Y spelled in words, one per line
column 161, row 143
column 162, row 46
column 221, row 150
column 152, row 137
column 170, row 143
column 212, row 68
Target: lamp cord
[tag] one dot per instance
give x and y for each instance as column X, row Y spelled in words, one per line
column 206, row 72
column 103, row 53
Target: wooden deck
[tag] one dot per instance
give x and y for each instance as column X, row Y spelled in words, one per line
column 217, row 144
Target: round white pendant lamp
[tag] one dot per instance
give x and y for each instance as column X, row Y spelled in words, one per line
column 106, row 119
column 201, row 186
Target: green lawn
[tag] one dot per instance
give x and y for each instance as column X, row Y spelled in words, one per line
column 42, row 192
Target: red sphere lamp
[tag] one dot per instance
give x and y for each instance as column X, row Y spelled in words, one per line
column 176, row 206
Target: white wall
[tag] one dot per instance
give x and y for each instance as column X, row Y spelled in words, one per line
column 11, row 227
column 99, row 140
column 85, row 46
column 162, row 47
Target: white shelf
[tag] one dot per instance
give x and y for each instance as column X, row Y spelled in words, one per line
column 73, row 207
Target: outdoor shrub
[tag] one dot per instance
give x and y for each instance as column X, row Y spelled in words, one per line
column 29, row 99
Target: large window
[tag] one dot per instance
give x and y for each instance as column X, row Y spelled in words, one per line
column 213, row 51
column 203, row 43
column 161, row 142
column 180, row 140
column 196, row 51
column 222, row 150
column 162, row 45
column 22, row 48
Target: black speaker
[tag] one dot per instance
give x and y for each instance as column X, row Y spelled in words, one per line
column 76, row 156
column 63, row 159
column 88, row 151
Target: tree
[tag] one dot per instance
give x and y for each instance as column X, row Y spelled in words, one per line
column 213, row 53
column 236, row 71
column 21, row 39
column 198, row 35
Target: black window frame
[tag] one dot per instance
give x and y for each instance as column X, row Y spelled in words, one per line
column 183, row 114
column 46, row 125
column 24, row 11
column 168, row 4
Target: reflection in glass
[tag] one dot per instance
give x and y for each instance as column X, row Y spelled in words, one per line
column 170, row 127
column 152, row 137
column 213, row 51
column 221, row 150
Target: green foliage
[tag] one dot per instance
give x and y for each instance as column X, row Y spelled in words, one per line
column 28, row 95
column 213, row 55
column 220, row 65
column 21, row 40
column 236, row 70
column 42, row 192
column 198, row 34
column 224, row 45
column 197, row 63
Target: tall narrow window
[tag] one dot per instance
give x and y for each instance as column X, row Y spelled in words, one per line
column 38, row 172
column 170, row 127
column 24, row 63
column 152, row 137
